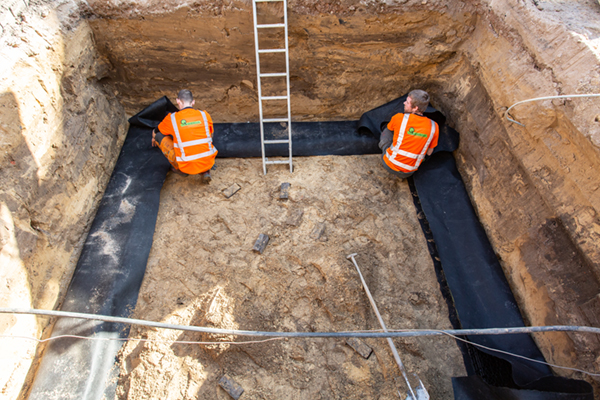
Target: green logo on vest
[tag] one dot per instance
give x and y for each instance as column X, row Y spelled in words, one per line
column 185, row 123
column 411, row 131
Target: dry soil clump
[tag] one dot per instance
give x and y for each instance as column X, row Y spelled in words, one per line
column 202, row 271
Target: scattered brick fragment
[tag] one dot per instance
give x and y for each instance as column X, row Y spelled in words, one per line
column 295, row 217
column 360, row 347
column 231, row 190
column 231, row 387
column 318, row 231
column 261, row 243
column 284, row 191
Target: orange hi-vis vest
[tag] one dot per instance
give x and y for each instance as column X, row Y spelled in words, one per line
column 192, row 139
column 413, row 136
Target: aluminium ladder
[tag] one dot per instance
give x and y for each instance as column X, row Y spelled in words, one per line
column 260, row 75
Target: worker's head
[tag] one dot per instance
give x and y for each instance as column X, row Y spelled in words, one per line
column 185, row 99
column 417, row 101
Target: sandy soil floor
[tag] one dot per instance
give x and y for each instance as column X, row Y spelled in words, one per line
column 202, row 271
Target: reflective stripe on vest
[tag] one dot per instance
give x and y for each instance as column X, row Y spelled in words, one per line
column 182, row 145
column 397, row 151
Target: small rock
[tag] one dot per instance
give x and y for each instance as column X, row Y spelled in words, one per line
column 261, row 243
column 318, row 231
column 360, row 347
column 284, row 191
column 231, row 190
column 295, row 217
column 231, row 387
column 248, row 84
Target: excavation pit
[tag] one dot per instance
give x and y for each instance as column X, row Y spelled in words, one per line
column 75, row 71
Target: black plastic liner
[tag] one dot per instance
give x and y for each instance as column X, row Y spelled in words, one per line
column 481, row 294
column 113, row 261
column 555, row 388
column 108, row 275
column 308, row 138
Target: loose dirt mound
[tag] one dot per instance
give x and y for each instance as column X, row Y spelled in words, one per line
column 202, row 271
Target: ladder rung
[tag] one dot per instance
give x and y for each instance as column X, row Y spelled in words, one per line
column 274, row 98
column 275, row 120
column 276, row 141
column 272, row 74
column 271, row 26
column 277, row 162
column 272, row 50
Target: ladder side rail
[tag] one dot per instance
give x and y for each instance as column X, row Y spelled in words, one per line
column 258, row 84
column 287, row 77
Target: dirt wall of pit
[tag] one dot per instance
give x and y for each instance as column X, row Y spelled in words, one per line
column 61, row 131
column 535, row 188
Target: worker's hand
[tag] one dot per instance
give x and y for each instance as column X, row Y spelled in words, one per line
column 154, row 142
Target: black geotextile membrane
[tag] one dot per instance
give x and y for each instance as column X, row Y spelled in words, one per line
column 480, row 292
column 308, row 139
column 474, row 387
column 108, row 275
column 374, row 121
column 242, row 139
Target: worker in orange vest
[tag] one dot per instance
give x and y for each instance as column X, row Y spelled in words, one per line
column 409, row 136
column 185, row 138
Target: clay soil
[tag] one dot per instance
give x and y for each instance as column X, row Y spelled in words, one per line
column 202, row 271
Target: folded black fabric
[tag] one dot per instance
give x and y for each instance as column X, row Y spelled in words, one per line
column 109, row 272
column 374, row 121
column 557, row 388
column 308, row 139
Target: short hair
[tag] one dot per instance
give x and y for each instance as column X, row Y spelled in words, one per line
column 420, row 99
column 185, row 96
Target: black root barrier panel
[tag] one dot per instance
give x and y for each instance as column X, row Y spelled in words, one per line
column 108, row 275
column 111, row 267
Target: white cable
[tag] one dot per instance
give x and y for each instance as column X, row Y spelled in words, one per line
column 519, row 356
column 280, row 338
column 566, row 96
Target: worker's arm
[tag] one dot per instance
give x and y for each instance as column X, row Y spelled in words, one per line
column 434, row 142
column 165, row 128
column 387, row 137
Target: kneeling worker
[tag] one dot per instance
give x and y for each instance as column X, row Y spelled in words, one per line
column 409, row 136
column 185, row 138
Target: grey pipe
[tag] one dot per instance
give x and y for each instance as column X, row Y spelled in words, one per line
column 393, row 333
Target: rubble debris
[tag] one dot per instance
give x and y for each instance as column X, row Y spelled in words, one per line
column 231, row 387
column 295, row 217
column 231, row 190
column 284, row 192
column 360, row 347
column 318, row 231
column 261, row 243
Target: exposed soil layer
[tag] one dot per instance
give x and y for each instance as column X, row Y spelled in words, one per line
column 202, row 272
column 61, row 131
column 341, row 63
